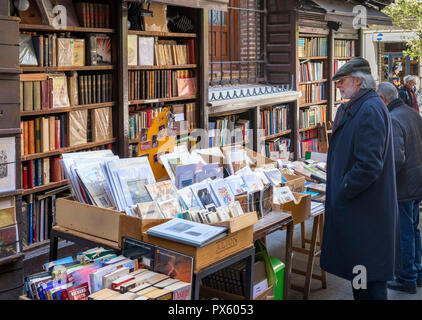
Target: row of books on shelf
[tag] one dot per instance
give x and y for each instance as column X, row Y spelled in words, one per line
column 231, row 279
column 344, row 48
column 145, row 272
column 63, row 50
column 42, row 91
column 39, row 172
column 275, row 120
column 44, row 134
column 311, row 71
column 140, row 120
column 9, row 236
column 79, row 14
column 150, row 51
column 309, row 117
column 312, row 46
column 161, row 84
column 338, row 64
column 308, row 145
column 313, row 92
column 277, row 149
column 228, row 130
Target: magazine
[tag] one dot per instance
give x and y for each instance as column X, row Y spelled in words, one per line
column 275, row 177
column 236, row 184
column 222, row 191
column 203, row 194
column 187, row 232
column 149, row 210
column 188, row 198
column 282, row 195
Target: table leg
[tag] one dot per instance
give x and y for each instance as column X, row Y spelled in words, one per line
column 250, row 260
column 54, row 241
column 311, row 257
column 288, row 258
column 196, row 285
column 321, row 229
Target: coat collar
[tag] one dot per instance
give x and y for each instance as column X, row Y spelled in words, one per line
column 394, row 104
column 354, row 105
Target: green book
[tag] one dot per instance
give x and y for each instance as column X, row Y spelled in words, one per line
column 37, row 95
column 28, row 96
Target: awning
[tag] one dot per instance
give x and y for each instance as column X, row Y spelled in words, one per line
column 220, row 5
column 342, row 11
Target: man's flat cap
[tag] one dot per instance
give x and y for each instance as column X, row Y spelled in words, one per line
column 353, row 65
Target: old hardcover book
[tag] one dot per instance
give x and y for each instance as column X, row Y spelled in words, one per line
column 146, row 51
column 37, row 95
column 99, row 49
column 89, row 89
column 25, row 137
column 78, row 124
column 31, row 140
column 101, row 122
column 28, row 96
column 78, row 52
column 72, row 88
column 50, row 93
column 45, row 135
column 81, row 92
column 59, row 91
column 7, row 212
column 52, row 136
column 37, row 129
column 103, row 88
column 44, row 95
column 94, row 88
column 98, row 82
column 132, row 50
column 46, row 170
column 55, row 170
column 57, row 144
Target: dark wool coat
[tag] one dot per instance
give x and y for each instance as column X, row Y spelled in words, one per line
column 407, row 138
column 361, row 214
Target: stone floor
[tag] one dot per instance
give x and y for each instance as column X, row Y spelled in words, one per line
column 337, row 288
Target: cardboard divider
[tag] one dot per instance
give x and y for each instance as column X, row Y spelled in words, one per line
column 300, row 211
column 239, row 223
column 294, row 182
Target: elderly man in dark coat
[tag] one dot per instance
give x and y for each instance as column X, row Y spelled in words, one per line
column 361, row 220
column 407, row 139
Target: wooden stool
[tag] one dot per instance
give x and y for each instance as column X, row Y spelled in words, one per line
column 317, row 227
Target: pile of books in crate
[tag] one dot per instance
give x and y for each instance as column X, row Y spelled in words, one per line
column 100, row 274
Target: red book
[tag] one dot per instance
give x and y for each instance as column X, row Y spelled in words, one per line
column 25, row 176
column 57, row 133
column 80, row 292
column 191, row 49
column 50, row 93
column 149, row 118
column 55, row 170
column 44, row 95
column 115, row 285
column 30, row 174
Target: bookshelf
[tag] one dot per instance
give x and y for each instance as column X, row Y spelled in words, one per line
column 166, row 64
column 11, row 193
column 345, row 46
column 90, row 86
column 312, row 82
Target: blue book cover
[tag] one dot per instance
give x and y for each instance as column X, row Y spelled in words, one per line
column 187, row 232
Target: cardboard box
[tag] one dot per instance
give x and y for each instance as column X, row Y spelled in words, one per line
column 260, row 281
column 294, row 182
column 99, row 222
column 300, row 211
column 211, row 253
column 267, row 294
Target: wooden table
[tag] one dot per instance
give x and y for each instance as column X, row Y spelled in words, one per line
column 273, row 221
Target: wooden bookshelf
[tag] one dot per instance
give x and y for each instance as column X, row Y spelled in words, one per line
column 63, row 69
column 67, row 149
column 132, row 102
column 35, row 245
column 45, row 187
column 162, row 34
column 313, row 58
column 315, row 81
column 277, row 135
column 67, row 109
column 308, row 128
column 303, row 105
column 47, row 28
column 171, row 67
column 343, row 58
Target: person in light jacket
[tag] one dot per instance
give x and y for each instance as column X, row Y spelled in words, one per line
column 407, row 139
column 361, row 221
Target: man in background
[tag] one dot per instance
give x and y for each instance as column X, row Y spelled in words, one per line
column 361, row 222
column 407, row 139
